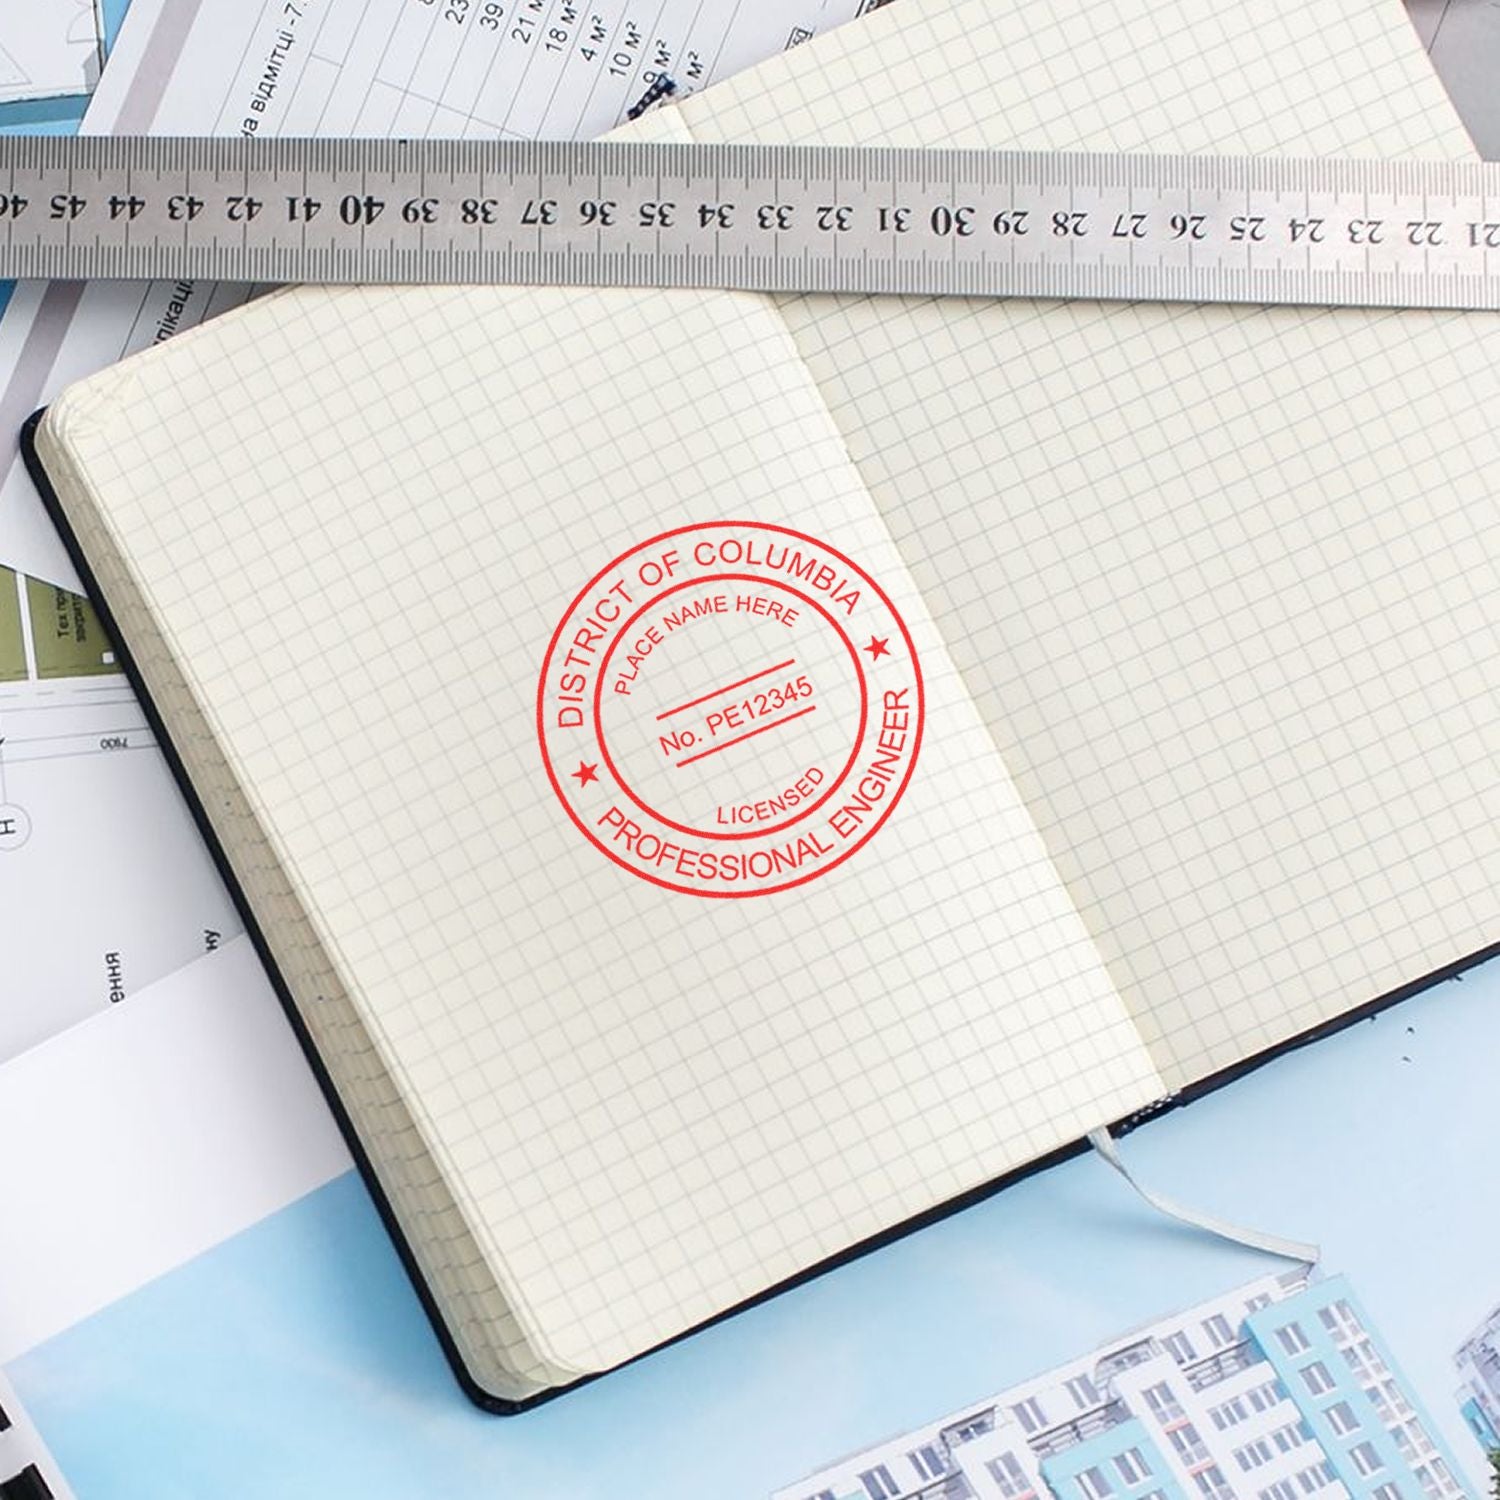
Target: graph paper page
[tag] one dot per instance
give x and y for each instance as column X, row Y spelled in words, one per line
column 360, row 517
column 1216, row 576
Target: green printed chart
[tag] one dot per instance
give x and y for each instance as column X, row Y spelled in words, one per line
column 64, row 639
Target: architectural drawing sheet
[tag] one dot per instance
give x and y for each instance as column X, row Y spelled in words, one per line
column 105, row 884
column 50, row 49
column 104, row 881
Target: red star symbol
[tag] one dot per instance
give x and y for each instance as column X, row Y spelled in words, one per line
column 877, row 647
column 585, row 773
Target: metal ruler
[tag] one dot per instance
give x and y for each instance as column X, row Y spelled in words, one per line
column 765, row 218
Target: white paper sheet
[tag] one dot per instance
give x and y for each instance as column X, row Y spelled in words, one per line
column 170, row 1124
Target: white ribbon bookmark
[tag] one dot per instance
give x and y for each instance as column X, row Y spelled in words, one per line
column 1272, row 1244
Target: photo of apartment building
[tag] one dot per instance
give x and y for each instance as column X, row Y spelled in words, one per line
column 1478, row 1361
column 1279, row 1390
column 27, row 1471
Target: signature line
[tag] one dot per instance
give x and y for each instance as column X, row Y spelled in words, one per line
column 719, row 692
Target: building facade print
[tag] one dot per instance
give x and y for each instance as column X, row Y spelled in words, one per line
column 27, row 1470
column 1478, row 1361
column 1279, row 1390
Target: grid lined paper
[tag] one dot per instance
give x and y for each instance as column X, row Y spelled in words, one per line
column 1215, row 576
column 649, row 1106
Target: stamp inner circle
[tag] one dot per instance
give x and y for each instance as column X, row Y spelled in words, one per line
column 730, row 706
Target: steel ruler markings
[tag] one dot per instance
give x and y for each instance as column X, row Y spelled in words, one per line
column 767, row 218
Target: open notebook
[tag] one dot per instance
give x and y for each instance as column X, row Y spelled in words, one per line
column 719, row 778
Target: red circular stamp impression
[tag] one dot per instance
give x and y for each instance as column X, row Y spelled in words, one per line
column 730, row 709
